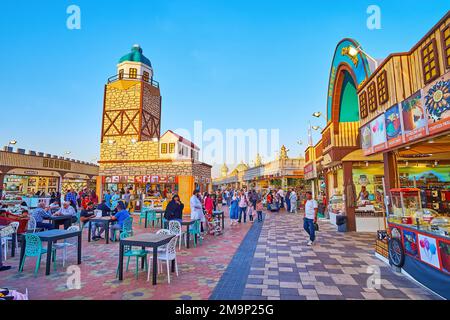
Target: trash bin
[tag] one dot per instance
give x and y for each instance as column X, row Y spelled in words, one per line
column 341, row 222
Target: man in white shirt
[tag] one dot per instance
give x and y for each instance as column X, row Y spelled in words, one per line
column 67, row 210
column 311, row 210
column 293, row 199
column 280, row 193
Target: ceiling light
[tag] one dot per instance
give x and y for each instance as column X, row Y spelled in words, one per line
column 353, row 51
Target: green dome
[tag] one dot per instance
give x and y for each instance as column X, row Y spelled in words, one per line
column 136, row 55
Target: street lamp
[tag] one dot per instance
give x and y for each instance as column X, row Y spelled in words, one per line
column 319, row 114
column 317, row 128
column 12, row 142
column 354, row 52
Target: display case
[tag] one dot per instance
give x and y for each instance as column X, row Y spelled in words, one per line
column 336, row 207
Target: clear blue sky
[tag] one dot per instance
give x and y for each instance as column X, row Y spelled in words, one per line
column 231, row 63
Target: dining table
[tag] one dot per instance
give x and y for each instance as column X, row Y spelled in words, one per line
column 106, row 221
column 57, row 221
column 52, row 236
column 145, row 240
column 188, row 223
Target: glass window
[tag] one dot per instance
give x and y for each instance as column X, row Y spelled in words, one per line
column 446, row 45
column 430, row 62
column 146, row 76
column 172, row 148
column 383, row 95
column 363, row 105
column 133, row 73
column 372, row 97
column 163, row 148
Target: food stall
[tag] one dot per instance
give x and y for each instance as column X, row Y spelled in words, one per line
column 420, row 240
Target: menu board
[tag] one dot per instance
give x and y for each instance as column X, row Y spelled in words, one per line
column 394, row 128
column 437, row 104
column 414, row 117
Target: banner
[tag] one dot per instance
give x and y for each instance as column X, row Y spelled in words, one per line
column 437, row 104
column 366, row 140
column 378, row 133
column 394, row 128
column 414, row 117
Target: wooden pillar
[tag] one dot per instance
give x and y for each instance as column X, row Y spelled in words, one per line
column 349, row 205
column 391, row 176
column 2, row 181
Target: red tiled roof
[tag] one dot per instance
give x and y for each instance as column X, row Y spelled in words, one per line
column 184, row 140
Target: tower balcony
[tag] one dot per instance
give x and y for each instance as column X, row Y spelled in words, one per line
column 128, row 77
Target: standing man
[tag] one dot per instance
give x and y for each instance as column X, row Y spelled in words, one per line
column 311, row 210
column 293, row 201
column 280, row 195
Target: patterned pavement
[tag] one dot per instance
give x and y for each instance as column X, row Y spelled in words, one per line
column 337, row 267
column 200, row 270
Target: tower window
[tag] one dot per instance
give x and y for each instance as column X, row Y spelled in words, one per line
column 446, row 45
column 121, row 73
column 146, row 76
column 363, row 105
column 164, row 148
column 133, row 73
column 172, row 148
column 372, row 97
column 430, row 62
column 383, row 95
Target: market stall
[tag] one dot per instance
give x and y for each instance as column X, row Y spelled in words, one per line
column 420, row 240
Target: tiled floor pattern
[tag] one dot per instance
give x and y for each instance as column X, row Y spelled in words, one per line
column 336, row 267
column 232, row 284
column 200, row 270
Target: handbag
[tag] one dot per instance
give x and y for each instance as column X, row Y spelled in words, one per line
column 316, row 226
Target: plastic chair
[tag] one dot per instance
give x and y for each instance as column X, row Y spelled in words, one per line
column 195, row 231
column 33, row 248
column 31, row 224
column 127, row 227
column 67, row 243
column 7, row 235
column 169, row 254
column 129, row 252
column 144, row 212
column 176, row 229
column 152, row 217
column 165, row 232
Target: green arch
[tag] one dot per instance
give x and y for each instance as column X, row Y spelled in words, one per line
column 349, row 111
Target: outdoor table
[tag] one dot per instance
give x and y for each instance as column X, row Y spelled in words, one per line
column 61, row 220
column 51, row 236
column 144, row 240
column 2, row 267
column 188, row 223
column 106, row 221
column 219, row 213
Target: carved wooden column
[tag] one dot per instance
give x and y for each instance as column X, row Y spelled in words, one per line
column 349, row 203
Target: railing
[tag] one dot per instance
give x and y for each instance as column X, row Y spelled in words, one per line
column 133, row 77
column 345, row 136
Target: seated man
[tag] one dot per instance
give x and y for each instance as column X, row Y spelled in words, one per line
column 86, row 215
column 55, row 206
column 120, row 217
column 67, row 210
column 106, row 211
column 40, row 214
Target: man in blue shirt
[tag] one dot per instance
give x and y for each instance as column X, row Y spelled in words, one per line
column 39, row 214
column 120, row 217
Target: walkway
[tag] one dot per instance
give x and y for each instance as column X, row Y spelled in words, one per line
column 337, row 267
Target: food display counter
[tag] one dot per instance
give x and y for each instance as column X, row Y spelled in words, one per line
column 420, row 241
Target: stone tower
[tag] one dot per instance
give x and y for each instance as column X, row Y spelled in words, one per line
column 131, row 111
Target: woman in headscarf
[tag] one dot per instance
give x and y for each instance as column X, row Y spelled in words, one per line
column 174, row 209
column 234, row 210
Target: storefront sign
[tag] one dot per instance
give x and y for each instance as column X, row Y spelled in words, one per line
column 378, row 133
column 310, row 171
column 394, row 128
column 414, row 117
column 437, row 104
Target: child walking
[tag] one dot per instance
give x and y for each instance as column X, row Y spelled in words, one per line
column 259, row 210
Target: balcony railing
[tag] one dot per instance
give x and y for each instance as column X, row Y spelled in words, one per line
column 133, row 78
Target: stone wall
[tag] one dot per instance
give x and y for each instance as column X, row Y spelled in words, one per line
column 123, row 148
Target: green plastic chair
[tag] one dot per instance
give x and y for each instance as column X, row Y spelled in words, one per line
column 195, row 230
column 144, row 212
column 130, row 252
column 127, row 227
column 33, row 248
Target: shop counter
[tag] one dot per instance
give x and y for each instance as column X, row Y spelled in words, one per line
column 425, row 256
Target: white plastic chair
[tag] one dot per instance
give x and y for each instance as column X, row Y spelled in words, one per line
column 15, row 225
column 167, row 255
column 67, row 243
column 6, row 235
column 32, row 224
column 175, row 229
